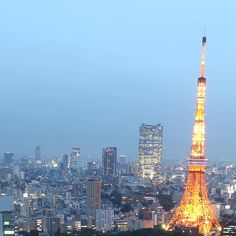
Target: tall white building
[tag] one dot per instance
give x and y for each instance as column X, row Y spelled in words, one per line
column 104, row 219
column 150, row 150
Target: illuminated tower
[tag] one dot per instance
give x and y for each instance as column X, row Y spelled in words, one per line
column 195, row 210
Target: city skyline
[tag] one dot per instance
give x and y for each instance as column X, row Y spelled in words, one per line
column 97, row 101
column 89, row 80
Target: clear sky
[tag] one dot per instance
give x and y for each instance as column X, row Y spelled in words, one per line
column 87, row 73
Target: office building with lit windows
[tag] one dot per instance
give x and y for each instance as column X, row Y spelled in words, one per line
column 150, row 151
column 109, row 161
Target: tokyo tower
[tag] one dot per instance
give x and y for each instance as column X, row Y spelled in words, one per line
column 195, row 210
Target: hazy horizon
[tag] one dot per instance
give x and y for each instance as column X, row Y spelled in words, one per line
column 88, row 73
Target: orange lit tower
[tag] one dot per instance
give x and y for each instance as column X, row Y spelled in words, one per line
column 195, row 210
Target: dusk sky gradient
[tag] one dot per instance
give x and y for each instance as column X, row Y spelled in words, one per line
column 88, row 73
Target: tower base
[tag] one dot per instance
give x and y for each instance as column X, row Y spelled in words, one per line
column 195, row 210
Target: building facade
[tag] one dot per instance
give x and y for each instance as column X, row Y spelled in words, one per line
column 104, row 219
column 66, row 161
column 53, row 225
column 8, row 157
column 109, row 161
column 150, row 150
column 37, row 154
column 93, row 192
column 7, row 219
column 74, row 158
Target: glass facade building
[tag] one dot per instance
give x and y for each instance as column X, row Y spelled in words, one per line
column 150, row 150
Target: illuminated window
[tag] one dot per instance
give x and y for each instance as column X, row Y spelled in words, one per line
column 9, row 232
column 6, row 223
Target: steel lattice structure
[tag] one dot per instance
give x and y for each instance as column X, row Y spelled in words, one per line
column 195, row 209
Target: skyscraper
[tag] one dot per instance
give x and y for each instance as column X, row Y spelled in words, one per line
column 150, row 150
column 8, row 157
column 123, row 165
column 109, row 158
column 66, row 161
column 93, row 192
column 74, row 157
column 92, row 168
column 37, row 153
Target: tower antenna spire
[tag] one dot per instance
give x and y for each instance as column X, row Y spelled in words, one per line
column 203, row 55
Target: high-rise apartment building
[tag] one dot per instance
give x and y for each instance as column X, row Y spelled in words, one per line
column 150, row 150
column 109, row 159
column 93, row 192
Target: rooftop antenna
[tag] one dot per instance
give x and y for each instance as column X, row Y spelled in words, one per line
column 203, row 54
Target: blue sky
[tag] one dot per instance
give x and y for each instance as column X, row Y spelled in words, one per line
column 88, row 73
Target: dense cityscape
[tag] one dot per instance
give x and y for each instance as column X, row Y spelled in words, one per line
column 108, row 194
